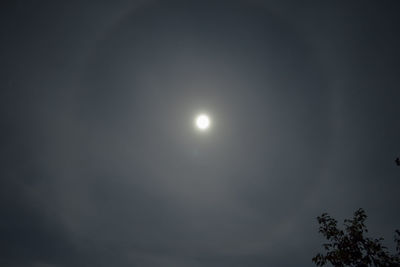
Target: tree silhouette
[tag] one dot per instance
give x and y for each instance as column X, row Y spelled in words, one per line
column 350, row 247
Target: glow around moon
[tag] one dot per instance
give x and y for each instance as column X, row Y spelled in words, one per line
column 202, row 122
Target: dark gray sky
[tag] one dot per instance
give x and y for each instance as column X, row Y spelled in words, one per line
column 101, row 165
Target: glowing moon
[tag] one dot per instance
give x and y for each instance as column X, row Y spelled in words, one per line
column 202, row 122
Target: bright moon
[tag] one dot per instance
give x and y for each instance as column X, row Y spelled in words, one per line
column 202, row 122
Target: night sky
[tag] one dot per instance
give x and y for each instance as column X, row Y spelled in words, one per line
column 101, row 164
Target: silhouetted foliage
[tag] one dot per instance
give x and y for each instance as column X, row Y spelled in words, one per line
column 350, row 247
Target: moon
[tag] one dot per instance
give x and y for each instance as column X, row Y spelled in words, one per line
column 202, row 122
